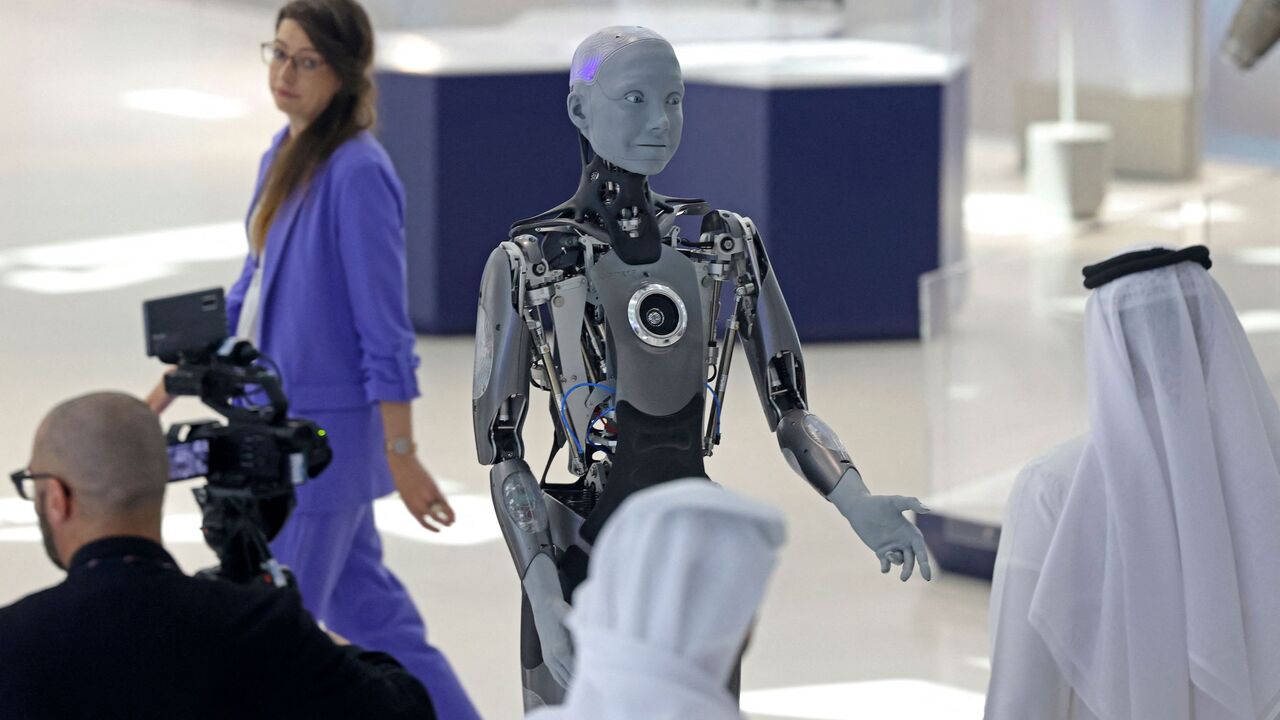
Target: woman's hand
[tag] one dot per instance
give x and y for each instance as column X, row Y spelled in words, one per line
column 419, row 492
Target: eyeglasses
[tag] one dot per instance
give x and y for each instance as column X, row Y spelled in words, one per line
column 25, row 482
column 274, row 55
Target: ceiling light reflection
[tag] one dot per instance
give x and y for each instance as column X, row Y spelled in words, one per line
column 1260, row 321
column 411, row 53
column 1265, row 256
column 185, row 103
column 109, row 263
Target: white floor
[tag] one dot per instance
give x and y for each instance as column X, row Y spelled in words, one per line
column 104, row 202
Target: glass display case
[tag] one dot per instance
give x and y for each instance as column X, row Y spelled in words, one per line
column 1137, row 69
column 1240, row 227
column 1002, row 338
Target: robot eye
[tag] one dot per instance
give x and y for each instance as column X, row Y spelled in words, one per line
column 674, row 100
column 634, row 97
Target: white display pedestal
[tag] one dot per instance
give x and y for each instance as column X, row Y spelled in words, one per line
column 1069, row 166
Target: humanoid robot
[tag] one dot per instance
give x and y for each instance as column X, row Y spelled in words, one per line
column 602, row 303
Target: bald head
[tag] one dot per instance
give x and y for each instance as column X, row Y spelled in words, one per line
column 109, row 449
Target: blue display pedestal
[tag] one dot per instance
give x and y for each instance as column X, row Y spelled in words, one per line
column 475, row 153
column 960, row 546
column 856, row 187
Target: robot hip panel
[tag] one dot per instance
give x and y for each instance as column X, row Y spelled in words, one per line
column 651, row 449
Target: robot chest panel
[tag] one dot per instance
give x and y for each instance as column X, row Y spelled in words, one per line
column 657, row 329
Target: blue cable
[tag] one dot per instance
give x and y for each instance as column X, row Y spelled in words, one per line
column 564, row 404
column 716, row 398
column 600, row 416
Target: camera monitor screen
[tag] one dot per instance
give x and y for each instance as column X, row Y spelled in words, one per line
column 188, row 460
column 185, row 324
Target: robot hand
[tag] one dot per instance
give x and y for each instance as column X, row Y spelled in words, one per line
column 878, row 521
column 542, row 586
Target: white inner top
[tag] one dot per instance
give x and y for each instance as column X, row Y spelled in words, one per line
column 250, row 324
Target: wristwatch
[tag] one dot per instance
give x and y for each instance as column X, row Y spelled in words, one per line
column 401, row 446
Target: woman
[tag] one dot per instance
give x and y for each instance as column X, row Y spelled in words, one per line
column 323, row 293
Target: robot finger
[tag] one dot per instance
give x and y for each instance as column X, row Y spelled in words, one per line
column 894, row 556
column 884, row 563
column 922, row 557
column 908, row 563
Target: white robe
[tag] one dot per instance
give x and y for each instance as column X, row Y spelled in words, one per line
column 1023, row 672
column 250, row 325
column 1140, row 577
column 676, row 578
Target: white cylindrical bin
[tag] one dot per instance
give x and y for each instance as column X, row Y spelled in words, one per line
column 1069, row 166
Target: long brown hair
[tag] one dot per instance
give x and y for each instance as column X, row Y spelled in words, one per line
column 341, row 33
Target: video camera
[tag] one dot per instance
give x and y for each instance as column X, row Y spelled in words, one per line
column 254, row 461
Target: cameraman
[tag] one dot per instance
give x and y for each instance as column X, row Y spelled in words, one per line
column 128, row 634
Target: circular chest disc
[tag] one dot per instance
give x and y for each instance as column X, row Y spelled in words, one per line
column 657, row 315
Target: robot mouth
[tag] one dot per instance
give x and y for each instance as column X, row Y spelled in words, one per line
column 649, row 145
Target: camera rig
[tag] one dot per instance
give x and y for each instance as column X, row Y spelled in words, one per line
column 254, row 461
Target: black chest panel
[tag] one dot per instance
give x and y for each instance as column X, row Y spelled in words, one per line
column 651, row 449
column 655, row 374
column 660, row 395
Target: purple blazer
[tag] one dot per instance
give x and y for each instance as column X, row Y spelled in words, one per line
column 334, row 312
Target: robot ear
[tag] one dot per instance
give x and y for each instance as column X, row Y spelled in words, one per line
column 576, row 105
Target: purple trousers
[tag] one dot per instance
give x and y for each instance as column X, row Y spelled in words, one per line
column 337, row 559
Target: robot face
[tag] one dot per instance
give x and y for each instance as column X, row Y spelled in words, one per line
column 632, row 113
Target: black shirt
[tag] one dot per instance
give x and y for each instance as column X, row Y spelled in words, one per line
column 128, row 634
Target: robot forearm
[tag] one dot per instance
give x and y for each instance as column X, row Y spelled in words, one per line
column 814, row 451
column 517, row 501
column 812, row 448
column 523, row 518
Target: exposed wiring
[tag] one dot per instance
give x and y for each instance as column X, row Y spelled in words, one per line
column 716, row 398
column 564, row 404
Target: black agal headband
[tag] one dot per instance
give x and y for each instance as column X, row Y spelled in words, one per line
column 1135, row 262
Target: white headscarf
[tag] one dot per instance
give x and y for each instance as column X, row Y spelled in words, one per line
column 676, row 577
column 1160, row 595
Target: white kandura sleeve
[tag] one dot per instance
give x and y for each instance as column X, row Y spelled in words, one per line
column 1025, row 680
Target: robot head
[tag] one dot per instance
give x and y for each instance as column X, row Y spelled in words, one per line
column 625, row 96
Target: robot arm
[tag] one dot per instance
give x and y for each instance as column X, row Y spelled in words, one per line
column 810, row 446
column 500, row 396
column 526, row 528
column 1254, row 30
column 500, row 385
